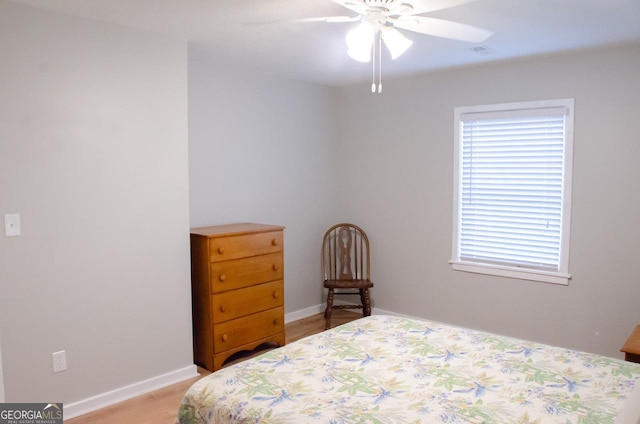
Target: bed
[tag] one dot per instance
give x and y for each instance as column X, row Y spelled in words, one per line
column 388, row 369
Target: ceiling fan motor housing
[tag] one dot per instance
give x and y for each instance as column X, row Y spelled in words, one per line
column 394, row 6
column 378, row 3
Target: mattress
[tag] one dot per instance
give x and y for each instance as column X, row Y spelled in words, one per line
column 387, row 369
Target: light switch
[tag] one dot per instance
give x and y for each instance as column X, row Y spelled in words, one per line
column 12, row 225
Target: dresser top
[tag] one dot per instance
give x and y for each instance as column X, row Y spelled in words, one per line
column 235, row 229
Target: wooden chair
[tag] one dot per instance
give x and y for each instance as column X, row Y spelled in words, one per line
column 345, row 268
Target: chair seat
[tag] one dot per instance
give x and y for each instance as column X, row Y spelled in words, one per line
column 348, row 284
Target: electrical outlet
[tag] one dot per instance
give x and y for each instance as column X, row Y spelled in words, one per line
column 59, row 361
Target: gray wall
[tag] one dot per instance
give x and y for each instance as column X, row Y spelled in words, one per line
column 397, row 152
column 261, row 149
column 94, row 156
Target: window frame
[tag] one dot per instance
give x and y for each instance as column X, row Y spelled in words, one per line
column 562, row 276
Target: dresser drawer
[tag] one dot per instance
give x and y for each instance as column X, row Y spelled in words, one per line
column 237, row 332
column 240, row 246
column 236, row 303
column 230, row 275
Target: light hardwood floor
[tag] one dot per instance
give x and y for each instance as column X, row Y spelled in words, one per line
column 160, row 406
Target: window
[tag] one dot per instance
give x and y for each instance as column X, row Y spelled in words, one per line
column 512, row 190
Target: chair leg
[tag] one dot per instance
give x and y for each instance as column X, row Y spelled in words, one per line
column 366, row 302
column 327, row 312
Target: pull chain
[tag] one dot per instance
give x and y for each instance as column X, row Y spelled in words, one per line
column 379, row 62
column 373, row 67
column 377, row 86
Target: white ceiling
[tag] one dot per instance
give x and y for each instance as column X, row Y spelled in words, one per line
column 260, row 34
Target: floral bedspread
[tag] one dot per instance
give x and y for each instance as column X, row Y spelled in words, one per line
column 385, row 369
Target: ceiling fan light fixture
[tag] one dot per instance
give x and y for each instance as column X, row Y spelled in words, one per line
column 381, row 20
column 395, row 42
column 360, row 41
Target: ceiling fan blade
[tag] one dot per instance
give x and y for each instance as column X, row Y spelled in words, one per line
column 424, row 6
column 355, row 5
column 442, row 28
column 332, row 19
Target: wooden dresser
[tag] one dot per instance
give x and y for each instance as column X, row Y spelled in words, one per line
column 237, row 280
column 631, row 348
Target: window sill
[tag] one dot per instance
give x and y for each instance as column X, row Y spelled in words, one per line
column 532, row 275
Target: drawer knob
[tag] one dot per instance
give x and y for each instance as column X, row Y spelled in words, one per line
column 275, row 321
column 221, row 250
column 225, row 337
column 223, row 308
column 275, row 267
column 275, row 295
column 222, row 277
column 274, row 242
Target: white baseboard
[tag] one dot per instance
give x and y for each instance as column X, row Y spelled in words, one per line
column 112, row 397
column 378, row 311
column 103, row 400
column 313, row 310
column 303, row 313
column 72, row 410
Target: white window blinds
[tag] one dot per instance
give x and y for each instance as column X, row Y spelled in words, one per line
column 511, row 188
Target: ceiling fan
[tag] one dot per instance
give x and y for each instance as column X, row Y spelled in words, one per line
column 381, row 19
